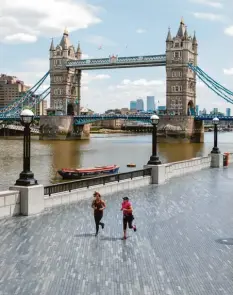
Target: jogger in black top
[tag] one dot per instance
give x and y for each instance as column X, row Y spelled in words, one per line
column 98, row 205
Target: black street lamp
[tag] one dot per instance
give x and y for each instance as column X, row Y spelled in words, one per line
column 215, row 149
column 26, row 177
column 154, row 159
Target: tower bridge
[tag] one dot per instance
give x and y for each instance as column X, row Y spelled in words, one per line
column 66, row 66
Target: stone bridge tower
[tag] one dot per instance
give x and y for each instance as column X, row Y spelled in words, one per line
column 65, row 83
column 181, row 81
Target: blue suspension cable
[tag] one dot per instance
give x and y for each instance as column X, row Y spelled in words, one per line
column 27, row 95
column 204, row 81
column 32, row 103
column 213, row 84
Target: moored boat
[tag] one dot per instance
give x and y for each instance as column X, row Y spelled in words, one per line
column 67, row 173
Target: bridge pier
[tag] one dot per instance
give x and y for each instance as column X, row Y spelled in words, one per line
column 180, row 129
column 62, row 128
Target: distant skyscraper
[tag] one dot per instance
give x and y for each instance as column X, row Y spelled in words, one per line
column 228, row 112
column 204, row 112
column 150, row 103
column 133, row 105
column 215, row 111
column 197, row 109
column 140, row 104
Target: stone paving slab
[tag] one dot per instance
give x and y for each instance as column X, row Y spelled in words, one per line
column 183, row 245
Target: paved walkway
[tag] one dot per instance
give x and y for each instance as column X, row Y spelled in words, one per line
column 183, row 246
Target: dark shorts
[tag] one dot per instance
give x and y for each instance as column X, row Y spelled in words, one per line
column 127, row 219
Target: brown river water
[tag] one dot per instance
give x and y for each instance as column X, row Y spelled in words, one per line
column 48, row 156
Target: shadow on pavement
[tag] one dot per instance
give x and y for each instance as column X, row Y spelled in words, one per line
column 84, row 235
column 227, row 241
column 111, row 238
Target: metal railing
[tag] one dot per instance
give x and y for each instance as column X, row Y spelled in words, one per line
column 88, row 182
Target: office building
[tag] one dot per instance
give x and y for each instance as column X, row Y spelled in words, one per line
column 150, row 103
column 228, row 112
column 41, row 108
column 133, row 105
column 204, row 112
column 215, row 111
column 11, row 88
column 140, row 105
column 197, row 109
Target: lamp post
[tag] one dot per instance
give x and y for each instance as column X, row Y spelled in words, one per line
column 215, row 149
column 26, row 177
column 154, row 159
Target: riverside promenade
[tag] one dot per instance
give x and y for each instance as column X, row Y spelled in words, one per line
column 183, row 245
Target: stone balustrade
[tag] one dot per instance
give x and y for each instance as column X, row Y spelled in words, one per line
column 9, row 203
column 31, row 200
column 83, row 193
column 187, row 166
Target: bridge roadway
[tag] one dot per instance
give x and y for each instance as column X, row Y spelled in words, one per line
column 183, row 245
column 86, row 119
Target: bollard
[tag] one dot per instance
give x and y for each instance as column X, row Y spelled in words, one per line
column 226, row 159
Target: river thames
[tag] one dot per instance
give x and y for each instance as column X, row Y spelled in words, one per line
column 49, row 156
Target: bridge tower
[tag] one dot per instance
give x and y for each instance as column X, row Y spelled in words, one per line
column 181, row 81
column 65, row 89
column 65, row 83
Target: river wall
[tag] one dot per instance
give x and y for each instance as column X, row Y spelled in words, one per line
column 62, row 128
column 19, row 200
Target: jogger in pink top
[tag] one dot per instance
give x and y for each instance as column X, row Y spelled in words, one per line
column 128, row 217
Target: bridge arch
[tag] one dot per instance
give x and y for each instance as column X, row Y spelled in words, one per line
column 70, row 109
column 191, row 108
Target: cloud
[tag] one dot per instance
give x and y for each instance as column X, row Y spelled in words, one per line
column 85, row 56
column 25, row 20
column 228, row 72
column 140, row 82
column 200, row 84
column 229, row 31
column 87, row 78
column 20, row 38
column 37, row 64
column 102, row 77
column 208, row 16
column 100, row 40
column 140, row 31
column 215, row 4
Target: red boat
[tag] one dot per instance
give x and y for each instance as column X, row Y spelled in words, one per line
column 67, row 173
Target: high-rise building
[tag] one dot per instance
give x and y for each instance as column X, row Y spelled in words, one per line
column 140, row 104
column 133, row 105
column 228, row 112
column 215, row 111
column 197, row 109
column 11, row 88
column 204, row 112
column 41, row 108
column 150, row 103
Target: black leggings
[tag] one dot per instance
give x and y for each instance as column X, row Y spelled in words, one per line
column 127, row 219
column 98, row 217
